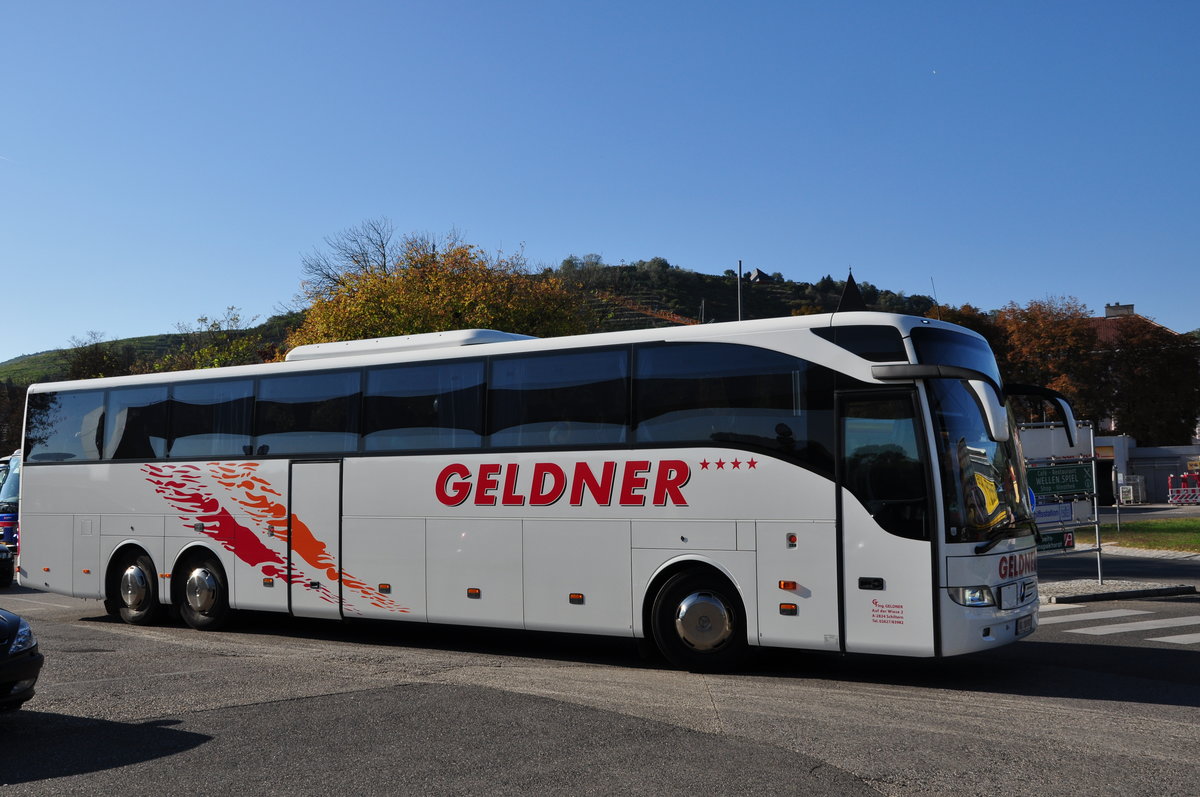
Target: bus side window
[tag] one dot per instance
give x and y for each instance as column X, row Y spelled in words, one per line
column 883, row 465
column 136, row 423
column 413, row 407
column 64, row 427
column 557, row 400
column 313, row 413
column 212, row 419
column 739, row 396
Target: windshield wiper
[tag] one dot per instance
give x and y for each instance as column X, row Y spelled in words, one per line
column 999, row 534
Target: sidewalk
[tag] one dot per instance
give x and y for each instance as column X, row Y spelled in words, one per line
column 1087, row 590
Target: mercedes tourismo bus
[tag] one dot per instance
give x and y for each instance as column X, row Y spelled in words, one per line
column 847, row 482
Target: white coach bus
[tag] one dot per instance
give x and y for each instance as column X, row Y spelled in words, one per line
column 847, row 482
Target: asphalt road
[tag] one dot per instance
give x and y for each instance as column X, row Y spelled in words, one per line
column 284, row 705
column 1065, row 567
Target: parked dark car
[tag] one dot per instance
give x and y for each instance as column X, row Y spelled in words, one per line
column 20, row 661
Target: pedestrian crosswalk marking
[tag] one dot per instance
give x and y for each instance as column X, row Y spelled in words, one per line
column 1105, row 615
column 1058, row 607
column 1180, row 639
column 1144, row 625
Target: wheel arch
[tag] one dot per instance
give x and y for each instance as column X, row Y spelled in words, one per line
column 740, row 587
column 193, row 552
column 121, row 553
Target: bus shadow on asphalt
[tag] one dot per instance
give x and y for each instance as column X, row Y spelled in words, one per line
column 1031, row 668
column 82, row 746
column 1077, row 671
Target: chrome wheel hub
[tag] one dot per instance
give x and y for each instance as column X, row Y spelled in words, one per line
column 135, row 587
column 703, row 621
column 202, row 589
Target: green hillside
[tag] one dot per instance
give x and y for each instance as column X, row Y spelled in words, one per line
column 48, row 366
column 647, row 293
column 655, row 293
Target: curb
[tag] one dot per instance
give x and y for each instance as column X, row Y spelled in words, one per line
column 1152, row 592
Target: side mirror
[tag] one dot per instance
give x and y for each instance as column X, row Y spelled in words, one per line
column 993, row 410
column 1057, row 400
column 1069, row 423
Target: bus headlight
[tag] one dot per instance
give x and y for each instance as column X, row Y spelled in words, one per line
column 973, row 596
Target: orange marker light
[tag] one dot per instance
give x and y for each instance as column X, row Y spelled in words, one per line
column 787, row 585
column 385, row 589
column 788, row 609
column 86, row 571
column 474, row 592
column 575, row 598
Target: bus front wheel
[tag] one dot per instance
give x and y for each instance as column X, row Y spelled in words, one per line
column 698, row 622
column 203, row 597
column 137, row 591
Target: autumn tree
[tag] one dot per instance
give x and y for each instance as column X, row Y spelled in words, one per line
column 1051, row 342
column 432, row 288
column 1155, row 379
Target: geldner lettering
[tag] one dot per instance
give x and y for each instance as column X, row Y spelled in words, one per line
column 634, row 483
column 1017, row 565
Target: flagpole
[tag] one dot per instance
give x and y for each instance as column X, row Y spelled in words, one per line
column 739, row 292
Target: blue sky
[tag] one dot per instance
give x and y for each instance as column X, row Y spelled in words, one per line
column 160, row 161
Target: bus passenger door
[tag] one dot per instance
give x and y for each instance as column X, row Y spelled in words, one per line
column 314, row 539
column 884, row 525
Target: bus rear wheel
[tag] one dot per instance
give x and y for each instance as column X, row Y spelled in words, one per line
column 203, row 596
column 137, row 591
column 698, row 622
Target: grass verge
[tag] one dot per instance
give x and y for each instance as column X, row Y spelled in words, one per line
column 1160, row 534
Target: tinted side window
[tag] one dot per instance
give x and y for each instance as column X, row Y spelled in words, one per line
column 740, row 395
column 212, row 419
column 955, row 348
column 424, row 406
column 875, row 343
column 883, row 463
column 309, row 413
column 64, row 427
column 569, row 399
column 136, row 423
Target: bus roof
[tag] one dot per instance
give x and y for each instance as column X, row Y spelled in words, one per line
column 427, row 340
column 408, row 348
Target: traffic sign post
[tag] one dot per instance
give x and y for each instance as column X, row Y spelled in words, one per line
column 1063, row 481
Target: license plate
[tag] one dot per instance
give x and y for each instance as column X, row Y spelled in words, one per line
column 1024, row 624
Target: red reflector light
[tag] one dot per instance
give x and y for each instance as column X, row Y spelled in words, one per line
column 787, row 585
column 788, row 609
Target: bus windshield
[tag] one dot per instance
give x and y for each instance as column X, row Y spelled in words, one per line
column 11, row 489
column 984, row 482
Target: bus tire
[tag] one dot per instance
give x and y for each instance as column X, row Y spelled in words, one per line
column 203, row 594
column 137, row 590
column 698, row 622
column 8, row 572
